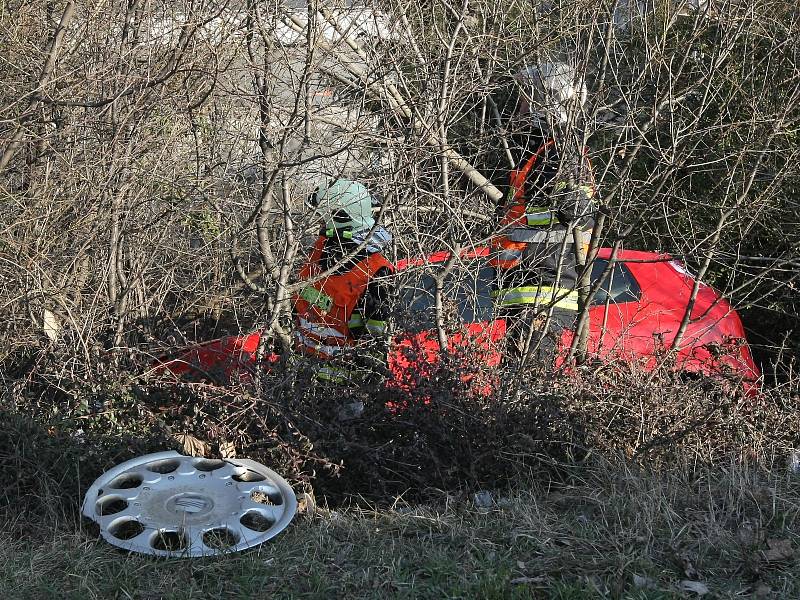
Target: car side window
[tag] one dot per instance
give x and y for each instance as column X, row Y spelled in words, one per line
column 619, row 287
column 467, row 291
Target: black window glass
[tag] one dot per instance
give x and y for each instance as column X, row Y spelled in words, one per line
column 466, row 297
column 467, row 293
column 620, row 286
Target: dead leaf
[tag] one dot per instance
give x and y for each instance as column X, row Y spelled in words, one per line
column 191, row 445
column 306, row 504
column 644, row 582
column 51, row 325
column 778, row 550
column 227, row 450
column 687, row 567
column 528, row 580
column 696, row 587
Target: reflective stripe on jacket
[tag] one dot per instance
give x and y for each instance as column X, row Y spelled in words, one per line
column 520, row 217
column 537, row 295
column 326, row 309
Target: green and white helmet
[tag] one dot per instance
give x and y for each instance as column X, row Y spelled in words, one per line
column 344, row 204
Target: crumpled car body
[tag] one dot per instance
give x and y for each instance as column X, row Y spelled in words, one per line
column 634, row 318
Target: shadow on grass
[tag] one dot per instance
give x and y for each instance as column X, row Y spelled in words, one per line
column 46, row 470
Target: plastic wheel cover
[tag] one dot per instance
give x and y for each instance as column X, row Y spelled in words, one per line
column 167, row 504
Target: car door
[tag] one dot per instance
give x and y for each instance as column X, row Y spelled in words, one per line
column 623, row 323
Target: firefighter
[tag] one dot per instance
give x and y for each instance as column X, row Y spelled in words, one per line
column 550, row 194
column 345, row 303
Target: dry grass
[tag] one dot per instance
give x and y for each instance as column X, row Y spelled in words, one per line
column 608, row 531
column 607, row 483
column 443, row 436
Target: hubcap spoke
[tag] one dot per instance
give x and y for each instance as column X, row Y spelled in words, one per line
column 150, row 477
column 130, row 511
column 186, row 467
column 197, row 547
column 273, row 512
column 224, row 472
column 126, row 494
column 142, row 539
column 251, row 486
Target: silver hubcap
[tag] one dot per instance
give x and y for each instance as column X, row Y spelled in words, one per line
column 172, row 505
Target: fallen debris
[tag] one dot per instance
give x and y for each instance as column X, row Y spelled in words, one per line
column 192, row 446
column 643, row 582
column 167, row 504
column 696, row 587
column 483, row 499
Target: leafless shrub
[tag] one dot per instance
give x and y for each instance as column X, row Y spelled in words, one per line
column 156, row 157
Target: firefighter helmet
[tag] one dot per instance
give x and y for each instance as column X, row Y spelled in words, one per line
column 550, row 89
column 344, row 204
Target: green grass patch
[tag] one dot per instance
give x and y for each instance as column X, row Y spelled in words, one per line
column 610, row 533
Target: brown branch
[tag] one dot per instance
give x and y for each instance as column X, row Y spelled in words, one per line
column 44, row 79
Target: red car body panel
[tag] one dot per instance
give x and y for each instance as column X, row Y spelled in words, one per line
column 714, row 342
column 413, row 357
column 231, row 358
column 639, row 331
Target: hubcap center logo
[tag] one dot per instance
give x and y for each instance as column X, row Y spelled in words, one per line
column 190, row 503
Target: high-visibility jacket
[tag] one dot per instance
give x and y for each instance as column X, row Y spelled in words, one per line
column 532, row 225
column 327, row 310
column 537, row 295
column 528, row 215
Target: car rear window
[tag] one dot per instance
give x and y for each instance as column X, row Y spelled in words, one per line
column 467, row 291
column 619, row 287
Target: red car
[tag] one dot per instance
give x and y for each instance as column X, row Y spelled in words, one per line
column 634, row 318
column 231, row 358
